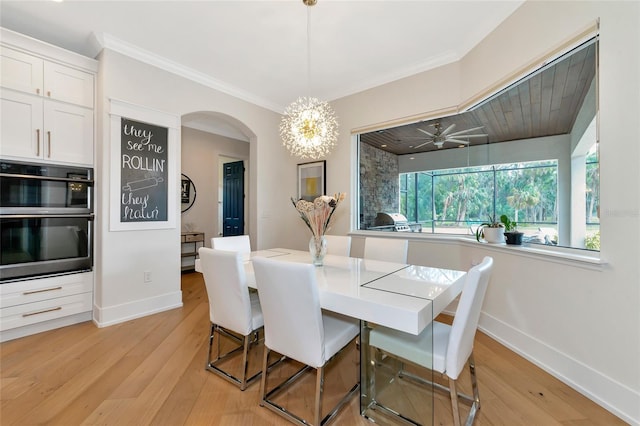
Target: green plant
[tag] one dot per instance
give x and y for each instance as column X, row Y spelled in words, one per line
column 492, row 223
column 592, row 241
column 509, row 226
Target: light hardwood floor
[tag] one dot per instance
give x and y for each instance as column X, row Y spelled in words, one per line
column 151, row 371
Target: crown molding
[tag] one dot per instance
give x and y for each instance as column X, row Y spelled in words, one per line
column 53, row 53
column 435, row 62
column 107, row 41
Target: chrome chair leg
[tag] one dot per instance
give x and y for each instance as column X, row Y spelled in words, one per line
column 263, row 379
column 318, row 420
column 474, row 381
column 213, row 328
column 473, row 400
column 453, row 392
column 319, row 390
column 245, row 363
column 243, row 344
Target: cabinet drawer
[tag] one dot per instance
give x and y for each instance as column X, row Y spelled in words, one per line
column 30, row 291
column 192, row 238
column 31, row 313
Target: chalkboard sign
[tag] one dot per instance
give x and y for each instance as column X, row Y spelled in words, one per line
column 144, row 172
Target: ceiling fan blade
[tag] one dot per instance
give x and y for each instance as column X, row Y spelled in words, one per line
column 457, row 141
column 422, row 144
column 448, row 129
column 427, row 133
column 470, row 136
column 473, row 129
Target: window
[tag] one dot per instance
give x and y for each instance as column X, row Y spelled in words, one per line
column 454, row 201
column 592, row 205
column 529, row 151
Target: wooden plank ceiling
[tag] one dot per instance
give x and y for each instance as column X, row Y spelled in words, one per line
column 545, row 103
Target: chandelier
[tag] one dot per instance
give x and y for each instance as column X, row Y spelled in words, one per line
column 309, row 128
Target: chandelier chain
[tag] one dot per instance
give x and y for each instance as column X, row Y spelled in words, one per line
column 309, row 50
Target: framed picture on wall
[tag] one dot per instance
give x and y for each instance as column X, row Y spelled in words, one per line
column 312, row 180
column 144, row 158
column 185, row 189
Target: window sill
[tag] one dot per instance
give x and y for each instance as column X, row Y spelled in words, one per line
column 564, row 255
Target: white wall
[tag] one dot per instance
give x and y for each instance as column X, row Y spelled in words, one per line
column 122, row 257
column 581, row 324
column 201, row 152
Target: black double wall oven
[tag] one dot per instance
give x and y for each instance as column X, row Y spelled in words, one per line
column 46, row 220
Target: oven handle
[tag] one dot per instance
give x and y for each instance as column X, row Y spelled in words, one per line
column 89, row 216
column 51, row 178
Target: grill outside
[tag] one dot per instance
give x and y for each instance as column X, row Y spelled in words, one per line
column 394, row 222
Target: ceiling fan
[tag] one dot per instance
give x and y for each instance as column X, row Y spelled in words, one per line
column 439, row 137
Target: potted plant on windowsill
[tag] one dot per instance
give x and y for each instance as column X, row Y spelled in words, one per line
column 511, row 233
column 492, row 232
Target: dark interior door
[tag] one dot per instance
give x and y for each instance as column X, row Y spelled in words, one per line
column 233, row 199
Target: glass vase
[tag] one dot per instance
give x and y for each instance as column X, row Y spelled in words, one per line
column 318, row 249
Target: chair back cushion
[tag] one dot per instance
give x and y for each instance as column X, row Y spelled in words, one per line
column 386, row 249
column 239, row 243
column 465, row 321
column 291, row 309
column 338, row 245
column 225, row 280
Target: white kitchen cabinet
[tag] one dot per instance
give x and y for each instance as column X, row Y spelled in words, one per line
column 30, row 74
column 45, row 130
column 42, row 304
column 21, row 71
column 47, row 97
column 47, row 109
column 68, row 133
column 21, row 128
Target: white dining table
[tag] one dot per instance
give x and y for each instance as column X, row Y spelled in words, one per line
column 396, row 295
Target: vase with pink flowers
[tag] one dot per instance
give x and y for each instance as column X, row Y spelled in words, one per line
column 318, row 216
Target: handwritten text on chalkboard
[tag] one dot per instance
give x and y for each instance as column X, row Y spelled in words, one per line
column 143, row 165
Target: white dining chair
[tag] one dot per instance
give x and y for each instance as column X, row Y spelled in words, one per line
column 444, row 348
column 234, row 312
column 239, row 243
column 296, row 327
column 339, row 245
column 386, row 249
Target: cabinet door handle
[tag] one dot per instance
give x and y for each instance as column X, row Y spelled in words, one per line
column 37, row 91
column 49, row 143
column 42, row 290
column 49, row 93
column 37, row 142
column 42, row 312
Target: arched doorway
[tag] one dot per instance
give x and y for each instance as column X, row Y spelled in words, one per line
column 209, row 140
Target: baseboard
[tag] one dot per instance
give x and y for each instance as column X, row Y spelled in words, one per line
column 106, row 316
column 615, row 397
